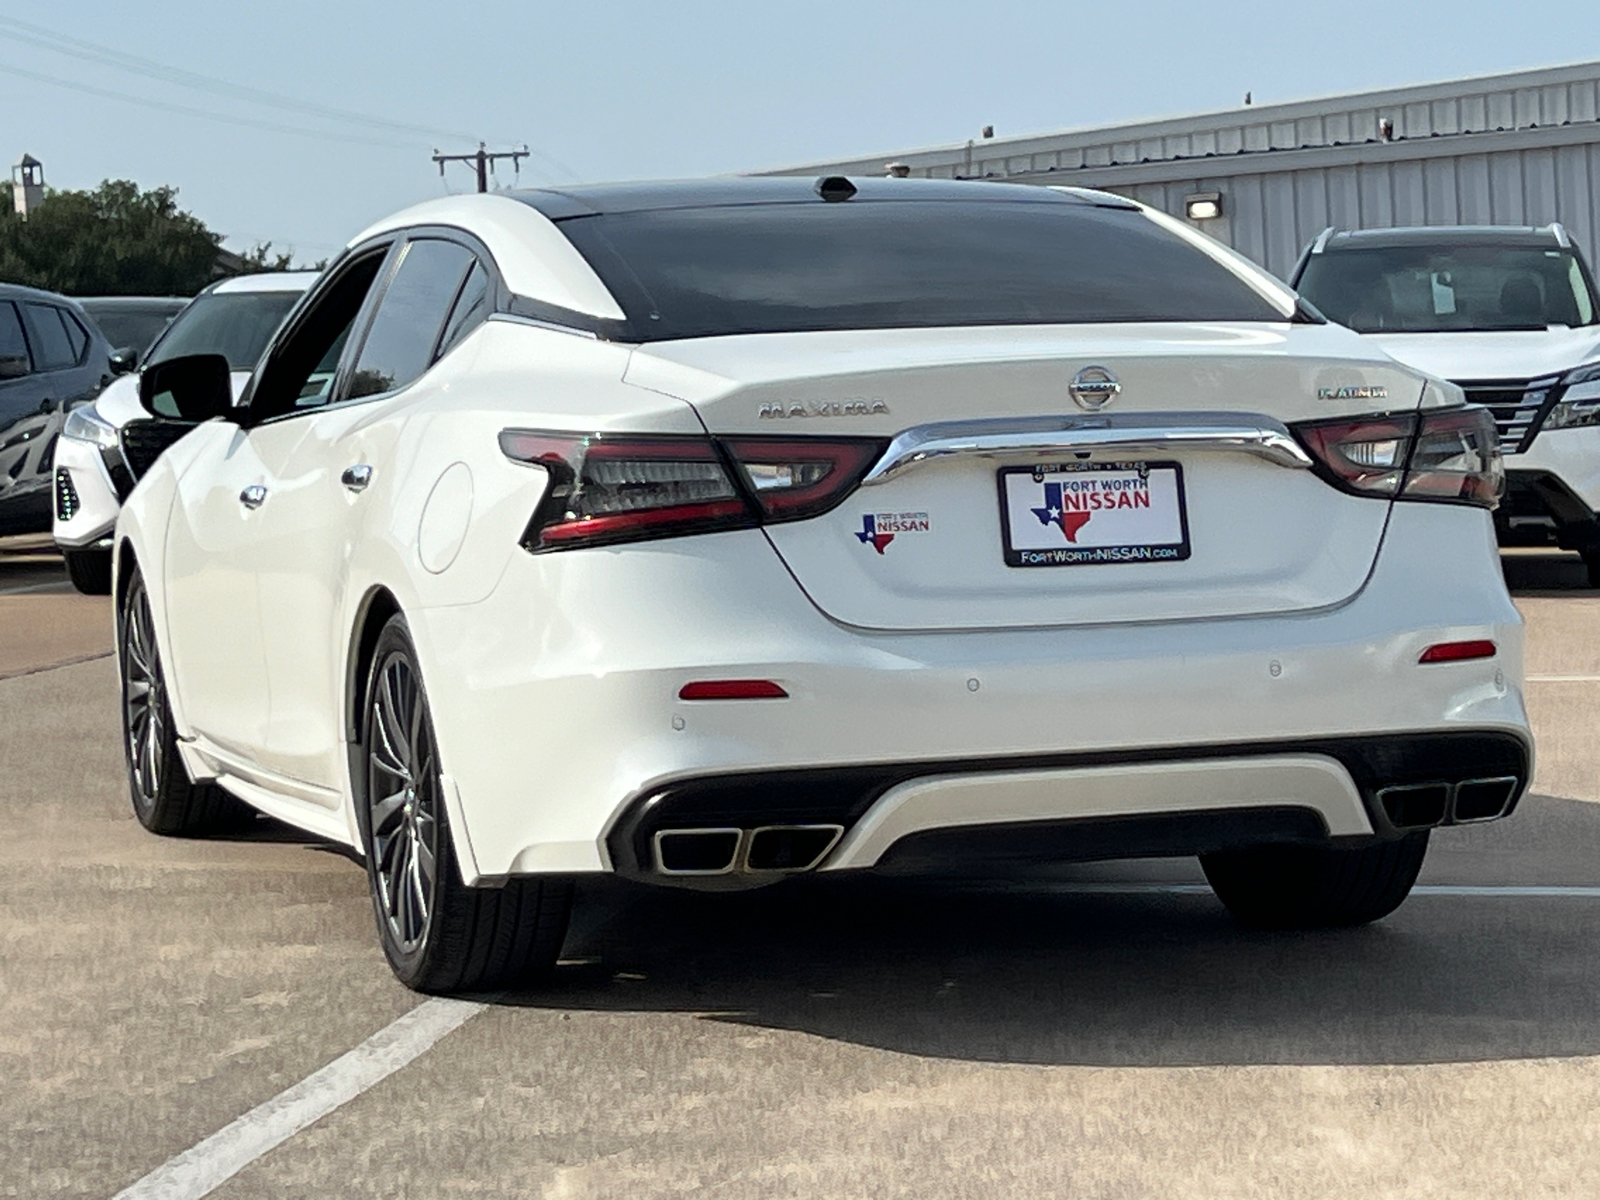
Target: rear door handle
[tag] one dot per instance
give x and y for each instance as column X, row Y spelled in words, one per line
column 253, row 496
column 357, row 477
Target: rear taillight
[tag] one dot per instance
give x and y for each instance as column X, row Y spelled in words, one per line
column 1449, row 455
column 610, row 488
column 794, row 478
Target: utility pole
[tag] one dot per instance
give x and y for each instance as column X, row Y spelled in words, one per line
column 483, row 159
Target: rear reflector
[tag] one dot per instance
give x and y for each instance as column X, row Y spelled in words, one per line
column 1457, row 651
column 732, row 689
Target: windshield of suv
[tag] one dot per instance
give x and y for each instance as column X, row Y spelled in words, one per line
column 236, row 325
column 1435, row 289
column 777, row 268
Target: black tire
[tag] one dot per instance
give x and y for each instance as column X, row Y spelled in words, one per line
column 438, row 934
column 1310, row 887
column 164, row 799
column 89, row 570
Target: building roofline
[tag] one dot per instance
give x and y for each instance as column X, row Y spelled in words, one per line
column 1255, row 114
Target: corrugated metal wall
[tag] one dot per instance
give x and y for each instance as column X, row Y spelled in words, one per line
column 1517, row 149
column 1271, row 216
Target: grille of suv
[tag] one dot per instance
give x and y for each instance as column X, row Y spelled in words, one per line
column 1517, row 406
column 143, row 442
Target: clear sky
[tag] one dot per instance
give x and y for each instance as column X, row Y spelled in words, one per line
column 619, row 90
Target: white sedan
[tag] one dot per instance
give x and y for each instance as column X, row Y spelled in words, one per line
column 713, row 533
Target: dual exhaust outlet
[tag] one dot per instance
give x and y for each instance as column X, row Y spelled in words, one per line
column 1424, row 805
column 769, row 850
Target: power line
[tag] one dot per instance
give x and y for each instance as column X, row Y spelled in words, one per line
column 105, row 56
column 185, row 110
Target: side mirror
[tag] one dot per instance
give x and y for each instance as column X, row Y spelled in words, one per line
column 195, row 387
column 124, row 360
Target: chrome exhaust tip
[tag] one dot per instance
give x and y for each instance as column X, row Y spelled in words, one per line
column 697, row 851
column 1483, row 799
column 790, row 848
column 1416, row 805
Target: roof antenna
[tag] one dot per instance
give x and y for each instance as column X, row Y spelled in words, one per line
column 834, row 188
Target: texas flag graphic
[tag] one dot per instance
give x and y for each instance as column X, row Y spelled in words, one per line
column 1054, row 513
column 868, row 534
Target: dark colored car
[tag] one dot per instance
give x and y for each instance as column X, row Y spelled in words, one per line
column 132, row 323
column 52, row 358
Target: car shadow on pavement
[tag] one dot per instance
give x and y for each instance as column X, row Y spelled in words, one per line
column 1039, row 973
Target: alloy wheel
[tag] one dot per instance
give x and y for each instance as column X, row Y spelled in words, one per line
column 143, row 698
column 402, row 802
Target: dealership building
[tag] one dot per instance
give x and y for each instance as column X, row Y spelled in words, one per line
column 1517, row 149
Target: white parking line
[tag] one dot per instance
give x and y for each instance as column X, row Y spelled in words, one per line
column 55, row 585
column 208, row 1164
column 1422, row 889
column 1563, row 678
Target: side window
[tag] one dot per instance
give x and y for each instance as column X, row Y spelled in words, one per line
column 77, row 335
column 299, row 372
column 405, row 329
column 54, row 352
column 14, row 361
column 472, row 307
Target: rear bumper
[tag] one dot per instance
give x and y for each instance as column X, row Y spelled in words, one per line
column 1115, row 804
column 555, row 699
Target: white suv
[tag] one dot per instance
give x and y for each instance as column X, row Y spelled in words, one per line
column 106, row 446
column 1508, row 313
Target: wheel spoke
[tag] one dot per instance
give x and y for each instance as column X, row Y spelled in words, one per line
column 384, row 810
column 419, row 891
column 389, row 708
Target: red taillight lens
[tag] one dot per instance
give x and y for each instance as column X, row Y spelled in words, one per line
column 617, row 489
column 1450, row 455
column 795, row 478
column 1366, row 455
column 609, row 488
column 1457, row 457
column 1457, row 651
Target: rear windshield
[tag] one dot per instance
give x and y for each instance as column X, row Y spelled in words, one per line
column 236, row 325
column 131, row 326
column 1435, row 289
column 779, row 268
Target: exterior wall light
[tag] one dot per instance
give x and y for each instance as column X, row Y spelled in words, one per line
column 1202, row 206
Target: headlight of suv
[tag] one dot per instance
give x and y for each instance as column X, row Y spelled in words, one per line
column 1580, row 404
column 86, row 425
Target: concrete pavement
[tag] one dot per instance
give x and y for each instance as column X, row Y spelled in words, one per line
column 858, row 1038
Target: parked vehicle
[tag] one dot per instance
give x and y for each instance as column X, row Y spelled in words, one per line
column 131, row 323
column 52, row 360
column 106, row 446
column 714, row 533
column 1510, row 314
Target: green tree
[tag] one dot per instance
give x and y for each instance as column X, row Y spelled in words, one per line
column 114, row 241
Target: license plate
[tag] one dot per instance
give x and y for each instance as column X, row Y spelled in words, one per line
column 1073, row 514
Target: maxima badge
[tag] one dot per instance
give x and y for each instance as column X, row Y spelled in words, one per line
column 1093, row 388
column 1353, row 393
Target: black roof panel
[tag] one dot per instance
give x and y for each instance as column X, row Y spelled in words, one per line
column 591, row 200
column 1442, row 235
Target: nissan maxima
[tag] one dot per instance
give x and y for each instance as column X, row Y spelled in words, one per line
column 712, row 534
